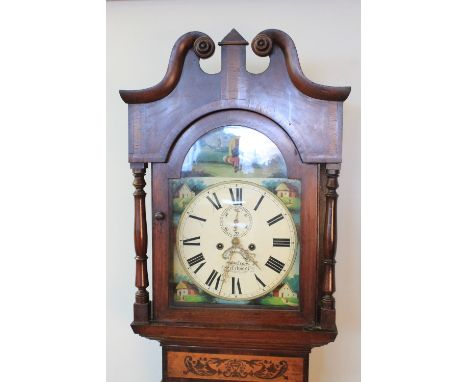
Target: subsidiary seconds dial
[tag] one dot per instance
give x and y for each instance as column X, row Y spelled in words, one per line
column 236, row 240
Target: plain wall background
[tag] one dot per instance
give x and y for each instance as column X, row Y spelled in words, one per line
column 140, row 36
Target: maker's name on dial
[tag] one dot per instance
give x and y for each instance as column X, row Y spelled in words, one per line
column 239, row 267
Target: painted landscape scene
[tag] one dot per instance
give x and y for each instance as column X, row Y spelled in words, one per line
column 234, row 151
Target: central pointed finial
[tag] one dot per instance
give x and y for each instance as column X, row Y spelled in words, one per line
column 233, row 38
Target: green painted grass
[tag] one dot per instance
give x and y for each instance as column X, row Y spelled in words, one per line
column 272, row 301
column 178, row 204
column 197, row 298
column 293, row 300
column 277, row 301
column 293, row 204
column 227, row 170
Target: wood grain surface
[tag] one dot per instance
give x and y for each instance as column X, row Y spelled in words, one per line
column 304, row 120
column 234, row 367
column 310, row 113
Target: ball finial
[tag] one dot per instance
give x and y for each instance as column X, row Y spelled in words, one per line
column 262, row 45
column 204, row 47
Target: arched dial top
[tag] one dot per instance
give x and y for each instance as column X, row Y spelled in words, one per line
column 236, row 240
column 234, row 151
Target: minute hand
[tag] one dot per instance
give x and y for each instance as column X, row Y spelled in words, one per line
column 226, row 266
column 249, row 257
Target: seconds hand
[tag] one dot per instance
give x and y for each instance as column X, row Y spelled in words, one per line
column 236, row 223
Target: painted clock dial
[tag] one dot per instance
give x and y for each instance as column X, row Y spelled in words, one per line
column 236, row 240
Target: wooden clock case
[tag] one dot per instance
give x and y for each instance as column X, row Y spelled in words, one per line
column 304, row 120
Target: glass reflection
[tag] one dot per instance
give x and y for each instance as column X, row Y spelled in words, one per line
column 234, row 151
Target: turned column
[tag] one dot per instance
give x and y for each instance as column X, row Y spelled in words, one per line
column 141, row 307
column 327, row 316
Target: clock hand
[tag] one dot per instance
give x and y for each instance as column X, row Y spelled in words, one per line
column 236, row 247
column 225, row 254
column 226, row 268
column 245, row 254
column 236, row 221
column 249, row 257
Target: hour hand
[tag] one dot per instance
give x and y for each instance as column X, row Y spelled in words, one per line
column 226, row 271
column 227, row 254
column 249, row 257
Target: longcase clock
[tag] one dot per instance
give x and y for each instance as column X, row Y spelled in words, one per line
column 244, row 172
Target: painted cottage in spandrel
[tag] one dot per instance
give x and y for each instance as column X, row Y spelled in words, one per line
column 284, row 291
column 286, row 190
column 184, row 192
column 184, row 288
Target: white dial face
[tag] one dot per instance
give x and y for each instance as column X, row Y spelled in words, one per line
column 236, row 240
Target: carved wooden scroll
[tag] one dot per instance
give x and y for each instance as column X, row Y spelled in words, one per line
column 203, row 47
column 262, row 45
column 141, row 305
column 327, row 318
